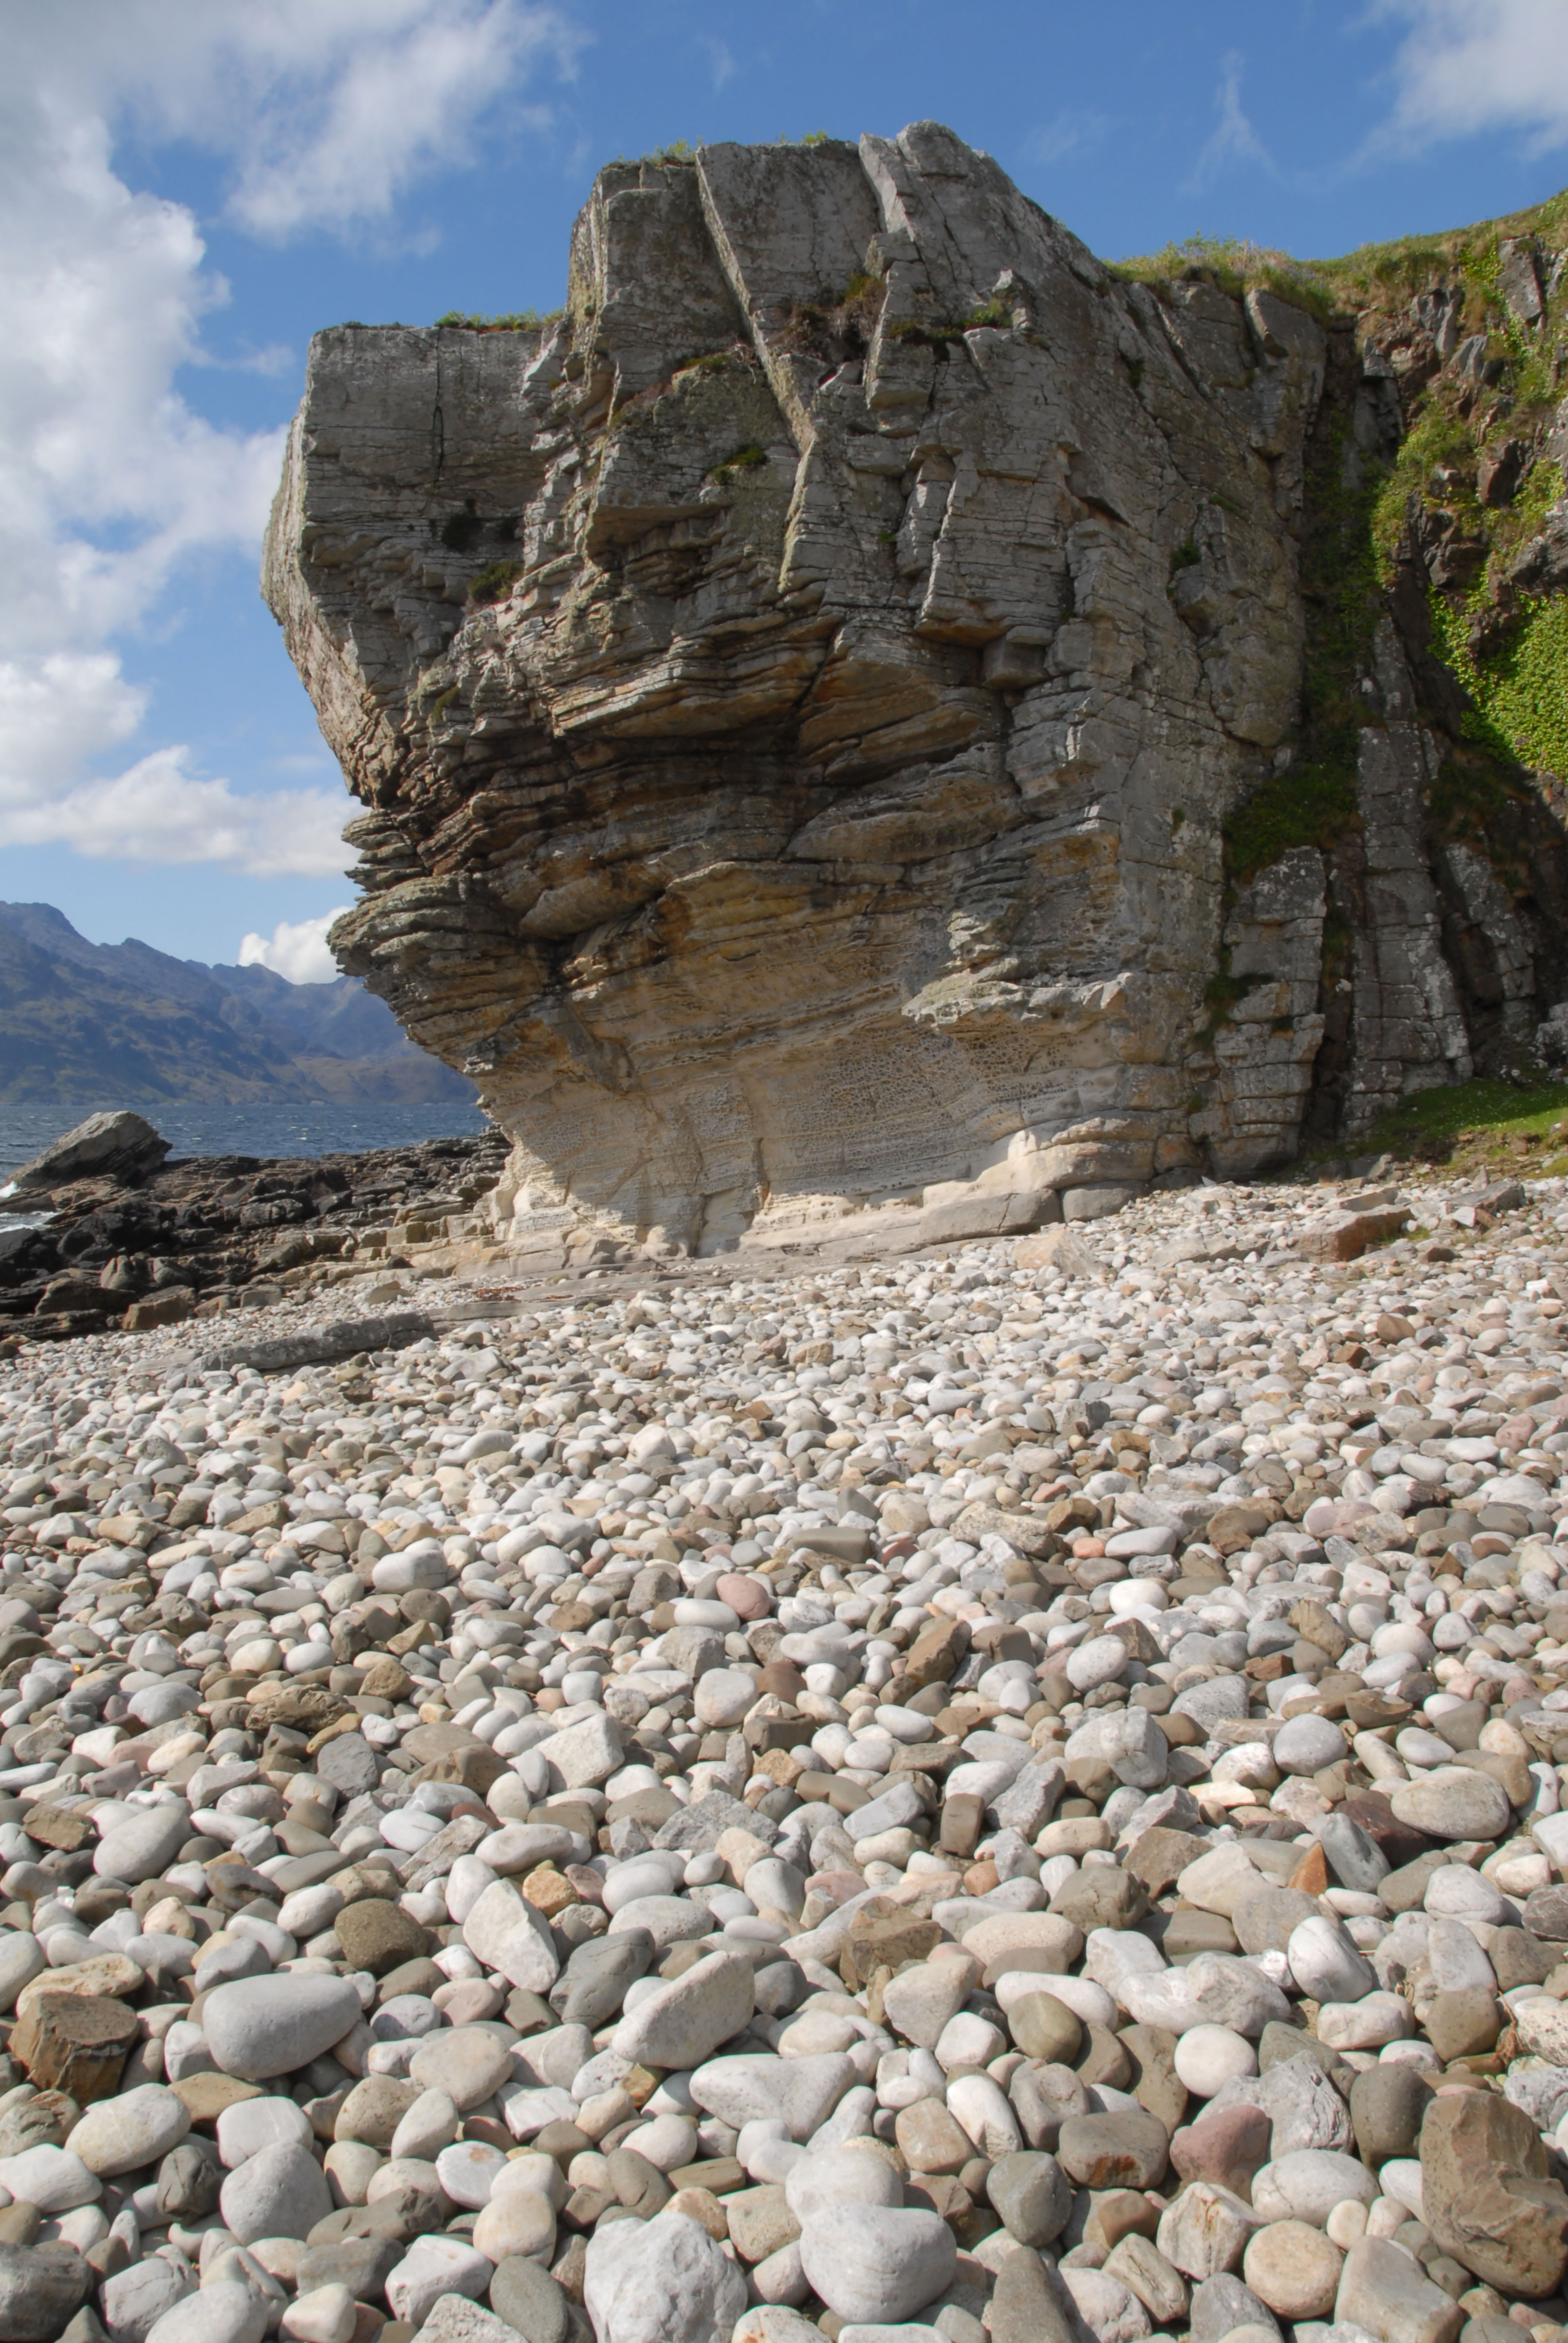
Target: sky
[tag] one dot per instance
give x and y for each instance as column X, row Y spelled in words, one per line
column 189, row 188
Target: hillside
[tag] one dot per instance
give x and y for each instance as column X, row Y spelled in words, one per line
column 82, row 1021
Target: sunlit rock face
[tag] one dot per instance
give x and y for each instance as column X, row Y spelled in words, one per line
column 797, row 692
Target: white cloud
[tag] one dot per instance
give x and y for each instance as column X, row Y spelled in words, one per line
column 322, row 113
column 1233, row 139
column 721, row 56
column 1071, row 132
column 159, row 811
column 1470, row 65
column 297, row 951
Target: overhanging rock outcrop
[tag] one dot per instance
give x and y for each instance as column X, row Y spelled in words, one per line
column 798, row 693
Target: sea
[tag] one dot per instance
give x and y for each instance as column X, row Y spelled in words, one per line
column 257, row 1129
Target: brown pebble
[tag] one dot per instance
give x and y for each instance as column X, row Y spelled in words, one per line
column 1311, row 1876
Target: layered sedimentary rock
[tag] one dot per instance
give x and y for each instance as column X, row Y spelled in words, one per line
column 800, row 692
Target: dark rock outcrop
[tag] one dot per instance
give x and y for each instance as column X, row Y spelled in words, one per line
column 229, row 1229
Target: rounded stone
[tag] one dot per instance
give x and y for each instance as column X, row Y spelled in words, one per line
column 722, row 1697
column 918, row 2001
column 681, row 2021
column 436, row 2263
column 1388, row 2107
column 1265, row 1920
column 876, row 2263
column 640, row 1876
column 227, row 2311
column 1464, row 2024
column 273, row 2024
column 328, row 2314
column 158, row 1704
column 55, row 2180
column 431, row 2123
column 516, row 2221
column 1457, row 1892
column 1043, row 2027
column 1227, row 2145
column 188, row 2182
column 138, row 2128
column 22, row 1958
column 1546, row 1913
column 666, row 2142
column 1453, row 1805
column 1102, row 1660
column 374, row 2109
column 530, row 2300
column 1305, row 1744
column 1294, row 2269
column 930, row 2140
column 1207, row 2056
column 134, row 2299
column 668, row 1919
column 143, row 1847
column 281, row 2193
column 467, row 2172
column 379, row 1934
column 859, row 2173
column 1326, row 1964
column 468, row 2062
column 1307, row 2183
column 647, row 2281
column 251, row 2124
column 350, row 2165
column 40, row 2292
column 747, row 1597
column 1125, row 2150
column 1032, row 2195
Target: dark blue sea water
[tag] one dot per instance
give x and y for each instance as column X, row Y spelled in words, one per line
column 266, row 1130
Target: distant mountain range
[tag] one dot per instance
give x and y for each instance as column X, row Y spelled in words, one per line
column 81, row 1021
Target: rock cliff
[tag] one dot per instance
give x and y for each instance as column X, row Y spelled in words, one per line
column 871, row 712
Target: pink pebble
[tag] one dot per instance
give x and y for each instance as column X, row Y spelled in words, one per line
column 467, row 2001
column 747, row 1597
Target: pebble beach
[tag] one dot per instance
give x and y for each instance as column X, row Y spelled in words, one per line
column 1013, row 1792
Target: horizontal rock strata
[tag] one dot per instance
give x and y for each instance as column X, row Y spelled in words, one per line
column 796, row 782
column 804, row 693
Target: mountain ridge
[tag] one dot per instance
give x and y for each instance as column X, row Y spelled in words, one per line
column 80, row 1022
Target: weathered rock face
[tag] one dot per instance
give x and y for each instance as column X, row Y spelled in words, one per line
column 800, row 692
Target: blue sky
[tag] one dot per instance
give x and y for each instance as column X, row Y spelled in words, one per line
column 189, row 188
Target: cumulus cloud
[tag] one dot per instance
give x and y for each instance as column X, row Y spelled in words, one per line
column 157, row 810
column 1470, row 65
column 322, row 113
column 296, row 950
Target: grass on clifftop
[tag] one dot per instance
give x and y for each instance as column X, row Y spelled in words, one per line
column 1475, row 1128
column 506, row 321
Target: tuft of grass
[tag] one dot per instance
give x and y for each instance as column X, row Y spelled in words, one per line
column 1518, row 692
column 744, row 459
column 1236, row 264
column 1313, row 807
column 506, row 321
column 493, row 582
column 1478, row 1126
